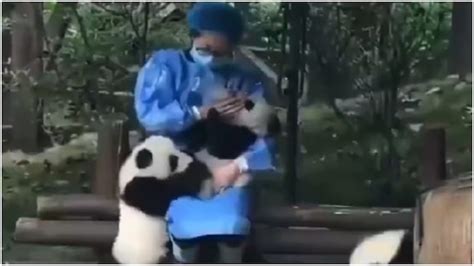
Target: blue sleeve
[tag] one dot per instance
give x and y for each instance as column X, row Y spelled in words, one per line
column 261, row 155
column 156, row 102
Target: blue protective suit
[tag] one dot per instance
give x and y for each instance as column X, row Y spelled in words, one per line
column 167, row 88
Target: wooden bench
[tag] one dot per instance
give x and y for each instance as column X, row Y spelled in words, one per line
column 306, row 234
column 292, row 234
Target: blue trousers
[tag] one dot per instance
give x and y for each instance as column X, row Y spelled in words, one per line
column 226, row 214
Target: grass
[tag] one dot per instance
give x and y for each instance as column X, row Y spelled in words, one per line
column 20, row 187
column 332, row 170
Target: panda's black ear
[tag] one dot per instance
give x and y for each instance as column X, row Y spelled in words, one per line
column 249, row 105
column 173, row 160
column 144, row 158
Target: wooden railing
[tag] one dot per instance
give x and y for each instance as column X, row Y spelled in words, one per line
column 301, row 233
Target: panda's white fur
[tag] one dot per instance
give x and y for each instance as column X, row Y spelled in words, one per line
column 143, row 238
column 213, row 162
column 256, row 120
column 380, row 248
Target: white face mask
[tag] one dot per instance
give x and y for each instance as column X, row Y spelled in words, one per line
column 208, row 59
column 202, row 58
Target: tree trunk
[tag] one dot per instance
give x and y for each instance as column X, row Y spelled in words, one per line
column 27, row 48
column 251, row 37
column 460, row 45
column 57, row 26
column 6, row 50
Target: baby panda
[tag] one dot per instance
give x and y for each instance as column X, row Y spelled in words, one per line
column 216, row 140
column 388, row 247
column 154, row 174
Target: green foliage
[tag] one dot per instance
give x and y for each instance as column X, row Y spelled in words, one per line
column 114, row 41
column 371, row 50
column 266, row 21
column 103, row 48
column 373, row 46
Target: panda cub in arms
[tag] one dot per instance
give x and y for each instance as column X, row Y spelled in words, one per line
column 217, row 140
column 153, row 175
column 388, row 247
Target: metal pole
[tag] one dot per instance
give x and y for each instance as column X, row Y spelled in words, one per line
column 295, row 19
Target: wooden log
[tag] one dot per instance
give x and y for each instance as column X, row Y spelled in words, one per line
column 71, row 233
column 77, row 205
column 112, row 148
column 335, row 217
column 347, row 218
column 307, row 241
column 26, row 62
column 268, row 240
column 433, row 161
column 444, row 224
column 306, row 258
column 124, row 148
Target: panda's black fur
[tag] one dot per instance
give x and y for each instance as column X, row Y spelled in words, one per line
column 153, row 196
column 147, row 186
column 222, row 139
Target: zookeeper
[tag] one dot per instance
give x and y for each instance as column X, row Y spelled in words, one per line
column 170, row 95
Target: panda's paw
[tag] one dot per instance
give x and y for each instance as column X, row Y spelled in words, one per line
column 212, row 114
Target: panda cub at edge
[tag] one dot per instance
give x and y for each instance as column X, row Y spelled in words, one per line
column 154, row 174
column 216, row 141
column 388, row 247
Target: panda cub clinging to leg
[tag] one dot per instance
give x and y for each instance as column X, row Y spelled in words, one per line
column 154, row 174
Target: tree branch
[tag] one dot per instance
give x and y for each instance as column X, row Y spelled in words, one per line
column 111, row 11
column 93, row 96
column 135, row 28
column 52, row 54
column 82, row 29
column 145, row 31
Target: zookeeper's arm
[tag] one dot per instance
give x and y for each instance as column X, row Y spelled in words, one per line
column 156, row 102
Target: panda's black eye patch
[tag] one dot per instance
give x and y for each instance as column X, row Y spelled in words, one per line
column 249, row 105
column 173, row 162
column 144, row 158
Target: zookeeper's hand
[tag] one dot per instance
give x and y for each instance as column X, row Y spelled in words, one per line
column 226, row 107
column 225, row 176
